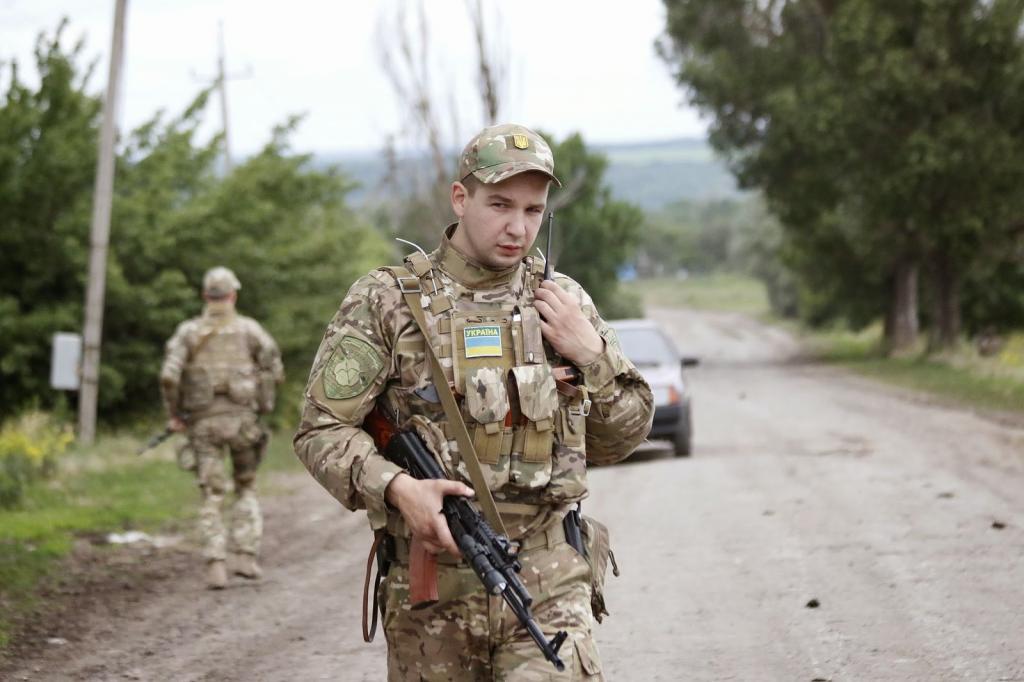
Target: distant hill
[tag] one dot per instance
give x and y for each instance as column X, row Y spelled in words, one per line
column 653, row 174
column 366, row 168
column 650, row 174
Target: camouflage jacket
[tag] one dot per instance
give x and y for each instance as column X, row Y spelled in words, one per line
column 219, row 362
column 486, row 333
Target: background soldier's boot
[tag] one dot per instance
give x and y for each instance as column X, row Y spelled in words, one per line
column 216, row 575
column 246, row 566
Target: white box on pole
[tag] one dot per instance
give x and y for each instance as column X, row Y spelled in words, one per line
column 66, row 361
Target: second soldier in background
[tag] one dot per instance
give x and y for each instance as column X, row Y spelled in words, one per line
column 219, row 374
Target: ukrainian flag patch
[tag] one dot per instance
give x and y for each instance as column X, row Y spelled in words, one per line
column 482, row 341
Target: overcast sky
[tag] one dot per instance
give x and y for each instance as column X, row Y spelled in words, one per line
column 575, row 65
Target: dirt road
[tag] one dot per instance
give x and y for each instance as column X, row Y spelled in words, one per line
column 902, row 520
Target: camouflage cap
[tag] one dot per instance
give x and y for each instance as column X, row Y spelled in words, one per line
column 219, row 282
column 501, row 151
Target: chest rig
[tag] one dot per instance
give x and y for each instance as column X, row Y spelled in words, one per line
column 220, row 367
column 490, row 346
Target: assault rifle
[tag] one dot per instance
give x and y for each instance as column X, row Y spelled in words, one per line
column 491, row 556
column 158, row 438
column 155, row 440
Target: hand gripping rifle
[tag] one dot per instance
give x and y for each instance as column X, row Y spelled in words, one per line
column 491, row 556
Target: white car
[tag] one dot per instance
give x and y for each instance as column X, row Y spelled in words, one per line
column 647, row 345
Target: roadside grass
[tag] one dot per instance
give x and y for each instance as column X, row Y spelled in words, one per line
column 280, row 459
column 720, row 291
column 961, row 376
column 97, row 490
column 280, row 455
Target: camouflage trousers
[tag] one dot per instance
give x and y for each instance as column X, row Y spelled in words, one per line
column 245, row 439
column 469, row 635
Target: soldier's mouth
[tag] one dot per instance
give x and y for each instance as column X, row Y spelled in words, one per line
column 510, row 250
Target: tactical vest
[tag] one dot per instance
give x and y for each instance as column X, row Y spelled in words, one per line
column 220, row 372
column 529, row 431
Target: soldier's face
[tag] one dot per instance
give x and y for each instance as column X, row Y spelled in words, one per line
column 498, row 222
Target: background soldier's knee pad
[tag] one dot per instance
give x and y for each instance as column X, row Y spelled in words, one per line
column 213, row 488
column 244, row 480
column 211, row 476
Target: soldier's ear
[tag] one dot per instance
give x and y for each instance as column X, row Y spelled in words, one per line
column 459, row 195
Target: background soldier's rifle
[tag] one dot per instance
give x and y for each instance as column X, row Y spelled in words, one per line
column 157, row 439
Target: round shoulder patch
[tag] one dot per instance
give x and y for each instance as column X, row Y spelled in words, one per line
column 353, row 366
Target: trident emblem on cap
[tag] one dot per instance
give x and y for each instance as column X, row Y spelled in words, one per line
column 520, row 141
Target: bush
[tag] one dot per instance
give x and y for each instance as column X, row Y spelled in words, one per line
column 622, row 304
column 29, row 449
column 282, row 224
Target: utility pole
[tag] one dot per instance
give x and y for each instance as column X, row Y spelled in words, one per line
column 222, row 86
column 219, row 81
column 100, row 236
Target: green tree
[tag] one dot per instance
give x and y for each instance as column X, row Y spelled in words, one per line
column 47, row 163
column 594, row 233
column 886, row 136
column 281, row 225
column 700, row 236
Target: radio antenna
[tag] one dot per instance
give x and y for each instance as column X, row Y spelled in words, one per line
column 547, row 254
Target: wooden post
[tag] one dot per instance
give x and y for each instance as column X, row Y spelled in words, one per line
column 100, row 236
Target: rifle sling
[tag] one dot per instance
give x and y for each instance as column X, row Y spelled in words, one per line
column 451, row 408
column 370, row 629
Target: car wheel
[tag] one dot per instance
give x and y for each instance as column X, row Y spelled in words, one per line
column 683, row 439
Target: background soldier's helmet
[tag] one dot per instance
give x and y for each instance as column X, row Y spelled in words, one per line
column 501, row 151
column 219, row 282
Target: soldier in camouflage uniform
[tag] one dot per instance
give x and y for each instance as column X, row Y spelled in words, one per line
column 218, row 376
column 498, row 329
